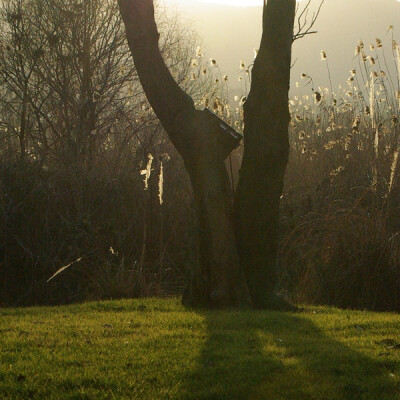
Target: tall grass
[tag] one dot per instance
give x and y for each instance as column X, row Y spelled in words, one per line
column 341, row 206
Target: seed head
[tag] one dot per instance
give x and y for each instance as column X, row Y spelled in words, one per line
column 356, row 124
column 374, row 74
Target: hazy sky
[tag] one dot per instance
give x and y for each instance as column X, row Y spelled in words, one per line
column 239, row 3
column 230, row 34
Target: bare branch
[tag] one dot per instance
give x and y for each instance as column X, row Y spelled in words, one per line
column 304, row 24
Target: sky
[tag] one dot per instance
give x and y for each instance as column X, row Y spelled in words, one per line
column 230, row 34
column 239, row 3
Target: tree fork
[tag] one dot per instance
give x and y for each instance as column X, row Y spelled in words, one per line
column 216, row 279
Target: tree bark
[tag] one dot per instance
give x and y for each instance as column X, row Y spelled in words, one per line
column 266, row 151
column 216, row 280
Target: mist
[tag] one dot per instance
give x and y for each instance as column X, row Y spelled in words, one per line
column 230, row 34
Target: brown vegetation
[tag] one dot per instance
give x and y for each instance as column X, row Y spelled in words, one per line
column 70, row 183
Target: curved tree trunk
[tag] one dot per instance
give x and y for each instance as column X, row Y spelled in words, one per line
column 265, row 154
column 216, row 280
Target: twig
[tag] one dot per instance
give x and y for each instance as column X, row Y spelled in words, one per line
column 63, row 269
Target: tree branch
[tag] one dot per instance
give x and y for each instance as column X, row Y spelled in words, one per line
column 304, row 26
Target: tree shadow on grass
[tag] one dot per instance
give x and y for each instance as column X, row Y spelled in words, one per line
column 263, row 355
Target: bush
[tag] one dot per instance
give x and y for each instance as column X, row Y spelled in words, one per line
column 128, row 244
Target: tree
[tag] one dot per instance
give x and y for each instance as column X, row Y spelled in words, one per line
column 237, row 245
column 67, row 78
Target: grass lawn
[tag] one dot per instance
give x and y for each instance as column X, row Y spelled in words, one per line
column 156, row 349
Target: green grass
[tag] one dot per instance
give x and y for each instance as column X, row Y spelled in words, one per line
column 155, row 349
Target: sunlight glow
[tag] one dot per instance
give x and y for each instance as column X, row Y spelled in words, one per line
column 237, row 3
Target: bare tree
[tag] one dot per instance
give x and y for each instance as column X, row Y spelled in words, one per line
column 17, row 64
column 68, row 78
column 227, row 250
